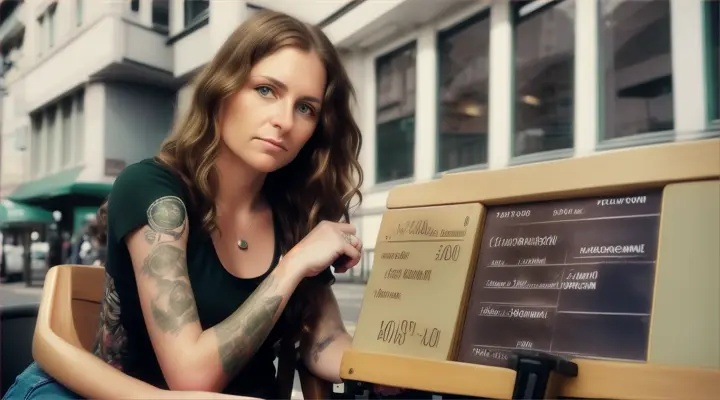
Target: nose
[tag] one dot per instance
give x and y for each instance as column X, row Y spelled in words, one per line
column 284, row 115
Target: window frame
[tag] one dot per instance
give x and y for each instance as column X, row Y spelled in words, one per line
column 483, row 14
column 404, row 46
column 515, row 19
column 641, row 139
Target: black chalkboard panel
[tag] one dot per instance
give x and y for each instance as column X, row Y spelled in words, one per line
column 571, row 277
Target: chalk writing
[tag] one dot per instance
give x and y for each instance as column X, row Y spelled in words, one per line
column 536, row 241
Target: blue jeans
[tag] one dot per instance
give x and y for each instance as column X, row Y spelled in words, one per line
column 34, row 383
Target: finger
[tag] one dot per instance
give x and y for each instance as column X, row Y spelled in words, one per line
column 353, row 240
column 351, row 257
column 346, row 228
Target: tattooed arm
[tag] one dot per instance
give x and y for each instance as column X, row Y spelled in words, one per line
column 323, row 346
column 190, row 358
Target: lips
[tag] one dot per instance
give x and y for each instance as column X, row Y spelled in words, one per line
column 274, row 142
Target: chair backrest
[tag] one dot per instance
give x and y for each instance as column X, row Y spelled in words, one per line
column 65, row 332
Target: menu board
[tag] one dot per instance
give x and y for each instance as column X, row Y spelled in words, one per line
column 573, row 278
column 423, row 260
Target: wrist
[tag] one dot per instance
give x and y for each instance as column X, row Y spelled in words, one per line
column 287, row 271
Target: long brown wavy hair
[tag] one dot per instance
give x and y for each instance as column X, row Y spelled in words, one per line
column 320, row 183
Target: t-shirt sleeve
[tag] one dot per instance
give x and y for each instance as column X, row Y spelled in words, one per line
column 134, row 191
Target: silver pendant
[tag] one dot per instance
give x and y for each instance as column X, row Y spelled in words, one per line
column 242, row 244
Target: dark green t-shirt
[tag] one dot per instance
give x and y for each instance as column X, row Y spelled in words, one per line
column 217, row 293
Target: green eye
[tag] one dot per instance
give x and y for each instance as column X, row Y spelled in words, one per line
column 305, row 109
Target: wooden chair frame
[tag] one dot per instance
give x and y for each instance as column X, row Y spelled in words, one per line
column 65, row 331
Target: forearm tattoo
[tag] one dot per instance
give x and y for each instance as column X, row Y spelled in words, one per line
column 173, row 305
column 323, row 343
column 241, row 335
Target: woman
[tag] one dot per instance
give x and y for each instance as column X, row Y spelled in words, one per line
column 221, row 245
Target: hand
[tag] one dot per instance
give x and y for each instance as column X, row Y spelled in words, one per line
column 330, row 243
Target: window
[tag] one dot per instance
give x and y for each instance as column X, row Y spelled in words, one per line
column 79, row 127
column 66, row 132
column 395, row 135
column 463, row 55
column 36, row 123
column 78, row 12
column 50, row 139
column 713, row 23
column 51, row 27
column 195, row 11
column 544, row 67
column 40, row 36
column 134, row 5
column 636, row 58
column 160, row 13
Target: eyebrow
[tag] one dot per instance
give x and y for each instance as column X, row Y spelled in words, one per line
column 284, row 87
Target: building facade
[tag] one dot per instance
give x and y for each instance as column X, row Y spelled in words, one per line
column 468, row 85
column 88, row 88
column 442, row 86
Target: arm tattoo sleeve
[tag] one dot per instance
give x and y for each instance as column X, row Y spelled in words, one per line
column 173, row 306
column 241, row 334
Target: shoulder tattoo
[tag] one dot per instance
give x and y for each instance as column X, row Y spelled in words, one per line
column 166, row 215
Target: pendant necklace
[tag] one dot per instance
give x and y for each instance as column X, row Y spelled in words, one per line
column 242, row 244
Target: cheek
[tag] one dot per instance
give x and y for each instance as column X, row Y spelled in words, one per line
column 235, row 115
column 303, row 134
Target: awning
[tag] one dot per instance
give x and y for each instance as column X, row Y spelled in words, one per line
column 60, row 184
column 15, row 214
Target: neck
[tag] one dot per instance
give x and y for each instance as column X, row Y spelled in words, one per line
column 239, row 185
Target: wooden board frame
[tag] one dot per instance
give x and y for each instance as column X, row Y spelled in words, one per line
column 599, row 174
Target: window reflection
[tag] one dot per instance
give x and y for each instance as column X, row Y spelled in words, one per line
column 395, row 74
column 635, row 40
column 463, row 53
column 544, row 66
column 713, row 13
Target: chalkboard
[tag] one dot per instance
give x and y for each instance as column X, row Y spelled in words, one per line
column 571, row 277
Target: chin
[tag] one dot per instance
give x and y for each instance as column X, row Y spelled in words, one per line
column 265, row 163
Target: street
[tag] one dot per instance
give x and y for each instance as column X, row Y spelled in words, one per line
column 349, row 296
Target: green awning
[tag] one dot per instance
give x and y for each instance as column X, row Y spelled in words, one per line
column 14, row 214
column 60, row 184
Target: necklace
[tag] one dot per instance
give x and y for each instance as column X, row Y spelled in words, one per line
column 242, row 244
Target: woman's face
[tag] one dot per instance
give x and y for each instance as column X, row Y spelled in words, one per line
column 273, row 115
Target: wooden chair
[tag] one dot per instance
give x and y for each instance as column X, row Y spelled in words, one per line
column 65, row 331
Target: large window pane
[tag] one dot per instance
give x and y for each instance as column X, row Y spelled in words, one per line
column 713, row 16
column 463, row 53
column 395, row 74
column 196, row 11
column 161, row 13
column 544, row 67
column 635, row 42
column 66, row 133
